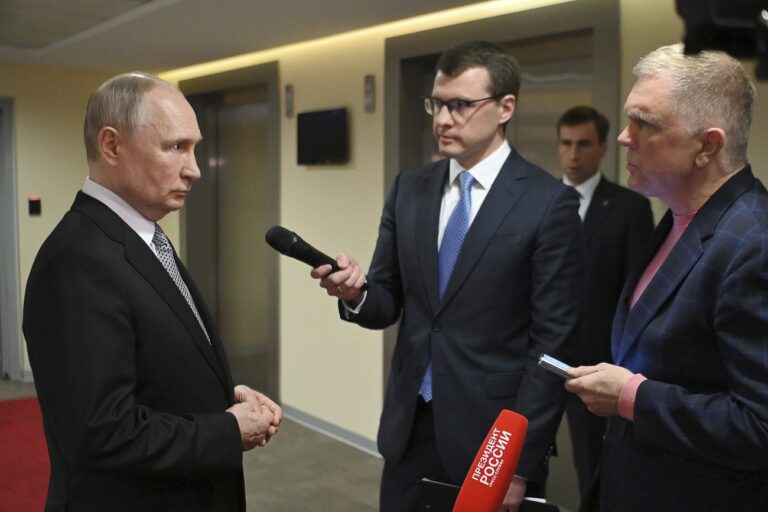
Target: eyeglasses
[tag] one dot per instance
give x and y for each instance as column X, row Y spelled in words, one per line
column 462, row 108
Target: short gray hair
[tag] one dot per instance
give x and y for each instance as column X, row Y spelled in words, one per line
column 710, row 89
column 119, row 103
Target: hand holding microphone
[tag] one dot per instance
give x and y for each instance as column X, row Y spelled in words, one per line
column 341, row 278
column 347, row 283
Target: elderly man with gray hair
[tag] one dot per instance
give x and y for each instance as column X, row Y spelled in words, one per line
column 688, row 427
column 139, row 407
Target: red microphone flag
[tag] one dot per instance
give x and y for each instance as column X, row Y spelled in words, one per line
column 494, row 466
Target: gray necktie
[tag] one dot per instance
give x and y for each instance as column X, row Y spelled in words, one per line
column 165, row 254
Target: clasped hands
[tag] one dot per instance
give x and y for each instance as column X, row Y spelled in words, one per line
column 258, row 417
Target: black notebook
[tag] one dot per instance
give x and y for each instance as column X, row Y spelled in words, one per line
column 440, row 497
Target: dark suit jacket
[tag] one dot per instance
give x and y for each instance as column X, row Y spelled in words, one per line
column 512, row 296
column 699, row 332
column 132, row 394
column 617, row 225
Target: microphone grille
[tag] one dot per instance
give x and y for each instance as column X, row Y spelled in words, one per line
column 280, row 239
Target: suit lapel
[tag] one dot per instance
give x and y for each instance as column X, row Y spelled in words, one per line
column 622, row 309
column 663, row 285
column 141, row 257
column 501, row 198
column 427, row 225
column 599, row 207
column 678, row 264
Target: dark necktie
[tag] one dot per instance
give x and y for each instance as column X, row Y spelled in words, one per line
column 450, row 247
column 165, row 254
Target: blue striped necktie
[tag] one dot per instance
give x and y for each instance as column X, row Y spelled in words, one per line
column 453, row 240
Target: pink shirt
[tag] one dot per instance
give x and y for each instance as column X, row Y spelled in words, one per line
column 627, row 397
column 680, row 223
column 629, row 391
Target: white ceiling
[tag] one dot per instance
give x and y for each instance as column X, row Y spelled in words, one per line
column 157, row 35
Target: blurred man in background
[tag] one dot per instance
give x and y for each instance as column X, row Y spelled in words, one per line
column 617, row 223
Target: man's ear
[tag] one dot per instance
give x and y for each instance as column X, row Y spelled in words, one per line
column 712, row 143
column 508, row 104
column 109, row 141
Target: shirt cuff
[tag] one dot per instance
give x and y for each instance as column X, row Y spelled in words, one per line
column 349, row 310
column 627, row 396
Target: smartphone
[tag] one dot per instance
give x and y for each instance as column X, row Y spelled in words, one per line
column 553, row 365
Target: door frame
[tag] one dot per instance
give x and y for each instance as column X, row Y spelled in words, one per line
column 11, row 338
column 262, row 75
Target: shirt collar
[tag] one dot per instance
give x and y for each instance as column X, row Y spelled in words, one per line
column 681, row 221
column 143, row 227
column 486, row 170
column 586, row 189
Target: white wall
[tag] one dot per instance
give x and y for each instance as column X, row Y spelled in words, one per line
column 329, row 368
column 49, row 104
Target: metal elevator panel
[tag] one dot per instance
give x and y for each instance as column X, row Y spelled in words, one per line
column 231, row 207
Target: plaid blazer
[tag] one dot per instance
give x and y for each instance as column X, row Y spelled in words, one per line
column 699, row 333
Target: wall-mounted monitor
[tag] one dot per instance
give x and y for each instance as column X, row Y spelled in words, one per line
column 322, row 137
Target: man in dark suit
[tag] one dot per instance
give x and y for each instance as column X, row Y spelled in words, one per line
column 617, row 223
column 139, row 408
column 478, row 305
column 687, row 396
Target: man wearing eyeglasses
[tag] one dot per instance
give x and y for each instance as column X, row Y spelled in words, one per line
column 478, row 257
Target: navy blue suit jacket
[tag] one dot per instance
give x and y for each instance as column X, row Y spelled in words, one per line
column 132, row 393
column 513, row 295
column 699, row 333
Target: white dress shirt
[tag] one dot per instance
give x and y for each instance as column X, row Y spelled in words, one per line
column 143, row 227
column 586, row 190
column 484, row 172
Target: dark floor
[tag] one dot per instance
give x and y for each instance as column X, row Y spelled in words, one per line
column 302, row 470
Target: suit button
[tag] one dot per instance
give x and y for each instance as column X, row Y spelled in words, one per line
column 435, row 328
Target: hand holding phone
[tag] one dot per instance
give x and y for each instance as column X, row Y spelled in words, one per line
column 553, row 365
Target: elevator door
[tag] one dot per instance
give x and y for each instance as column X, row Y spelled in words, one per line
column 225, row 228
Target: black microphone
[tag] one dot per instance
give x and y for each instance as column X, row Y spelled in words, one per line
column 290, row 244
